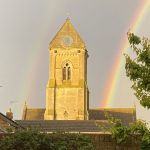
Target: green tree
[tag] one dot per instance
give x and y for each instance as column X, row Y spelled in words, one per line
column 138, row 68
column 138, row 132
column 35, row 140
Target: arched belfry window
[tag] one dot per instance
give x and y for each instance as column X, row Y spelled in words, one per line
column 66, row 72
column 69, row 73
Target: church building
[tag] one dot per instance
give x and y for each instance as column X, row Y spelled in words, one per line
column 67, row 94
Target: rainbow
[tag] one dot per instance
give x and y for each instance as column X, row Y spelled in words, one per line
column 34, row 61
column 112, row 82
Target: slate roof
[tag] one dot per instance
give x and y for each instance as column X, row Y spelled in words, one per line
column 64, row 125
column 34, row 118
column 33, row 114
column 9, row 121
column 126, row 115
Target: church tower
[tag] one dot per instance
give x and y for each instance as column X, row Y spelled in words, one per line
column 67, row 96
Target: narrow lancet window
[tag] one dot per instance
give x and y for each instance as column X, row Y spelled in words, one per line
column 69, row 73
column 66, row 72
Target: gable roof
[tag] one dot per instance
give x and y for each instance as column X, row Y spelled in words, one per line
column 65, row 125
column 67, row 30
column 96, row 118
column 9, row 121
column 126, row 115
column 33, row 113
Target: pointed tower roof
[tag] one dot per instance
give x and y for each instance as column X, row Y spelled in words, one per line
column 67, row 36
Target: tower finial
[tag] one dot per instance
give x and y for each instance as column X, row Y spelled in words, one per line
column 68, row 16
column 25, row 104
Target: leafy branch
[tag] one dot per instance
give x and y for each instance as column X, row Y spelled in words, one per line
column 138, row 68
column 137, row 132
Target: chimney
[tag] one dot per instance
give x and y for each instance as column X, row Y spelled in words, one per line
column 9, row 114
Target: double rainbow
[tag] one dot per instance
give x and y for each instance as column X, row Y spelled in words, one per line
column 112, row 82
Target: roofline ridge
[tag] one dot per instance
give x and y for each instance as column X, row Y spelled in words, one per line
column 11, row 120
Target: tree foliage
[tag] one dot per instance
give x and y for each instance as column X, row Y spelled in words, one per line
column 138, row 132
column 34, row 140
column 119, row 131
column 138, row 69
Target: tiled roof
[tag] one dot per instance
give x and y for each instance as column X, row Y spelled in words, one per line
column 34, row 118
column 33, row 114
column 127, row 115
column 9, row 121
column 64, row 125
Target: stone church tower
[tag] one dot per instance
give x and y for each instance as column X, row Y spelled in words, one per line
column 67, row 96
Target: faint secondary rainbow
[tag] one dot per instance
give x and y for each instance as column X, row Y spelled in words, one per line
column 112, row 82
column 31, row 71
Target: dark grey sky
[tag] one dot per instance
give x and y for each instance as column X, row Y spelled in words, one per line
column 26, row 28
